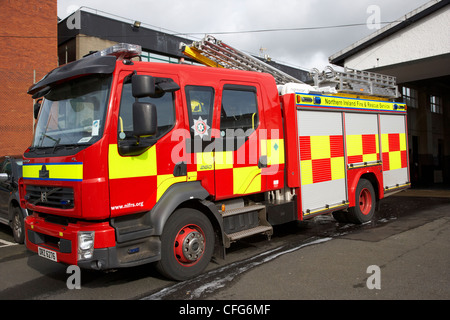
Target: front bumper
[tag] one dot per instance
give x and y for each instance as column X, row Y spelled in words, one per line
column 107, row 253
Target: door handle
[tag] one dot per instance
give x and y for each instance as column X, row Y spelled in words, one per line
column 180, row 169
column 262, row 163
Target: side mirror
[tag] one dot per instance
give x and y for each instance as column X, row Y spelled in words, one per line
column 4, row 177
column 144, row 119
column 142, row 86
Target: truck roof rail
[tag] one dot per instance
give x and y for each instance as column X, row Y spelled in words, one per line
column 356, row 82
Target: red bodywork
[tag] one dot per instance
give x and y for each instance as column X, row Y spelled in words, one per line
column 113, row 187
column 99, row 197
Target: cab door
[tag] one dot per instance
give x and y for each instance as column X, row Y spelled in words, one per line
column 238, row 161
column 139, row 179
column 200, row 143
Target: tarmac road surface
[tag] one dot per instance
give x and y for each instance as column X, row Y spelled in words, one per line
column 403, row 254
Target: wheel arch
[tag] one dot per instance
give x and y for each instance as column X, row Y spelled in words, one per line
column 373, row 175
column 188, row 195
column 374, row 181
column 14, row 203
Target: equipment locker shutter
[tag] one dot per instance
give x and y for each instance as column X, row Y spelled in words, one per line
column 394, row 150
column 322, row 165
column 362, row 142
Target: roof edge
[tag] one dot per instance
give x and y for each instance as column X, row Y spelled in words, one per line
column 428, row 8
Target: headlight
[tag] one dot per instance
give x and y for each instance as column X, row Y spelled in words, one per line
column 85, row 244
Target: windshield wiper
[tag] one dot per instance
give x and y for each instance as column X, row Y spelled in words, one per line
column 56, row 145
column 43, row 136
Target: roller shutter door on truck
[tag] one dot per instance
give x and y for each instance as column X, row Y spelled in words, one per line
column 362, row 140
column 322, row 164
column 394, row 151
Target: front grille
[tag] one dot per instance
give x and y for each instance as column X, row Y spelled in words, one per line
column 53, row 197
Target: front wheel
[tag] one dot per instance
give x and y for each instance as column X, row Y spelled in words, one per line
column 18, row 226
column 365, row 203
column 187, row 244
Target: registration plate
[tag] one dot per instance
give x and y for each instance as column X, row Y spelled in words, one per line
column 48, row 254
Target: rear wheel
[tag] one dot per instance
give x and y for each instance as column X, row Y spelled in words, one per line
column 365, row 203
column 187, row 244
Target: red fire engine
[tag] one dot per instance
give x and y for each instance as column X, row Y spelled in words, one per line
column 136, row 162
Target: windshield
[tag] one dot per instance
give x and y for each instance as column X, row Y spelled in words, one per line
column 73, row 113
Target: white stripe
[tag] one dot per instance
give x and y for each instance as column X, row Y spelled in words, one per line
column 6, row 243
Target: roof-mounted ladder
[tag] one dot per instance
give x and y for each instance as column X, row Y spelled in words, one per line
column 356, row 82
column 214, row 53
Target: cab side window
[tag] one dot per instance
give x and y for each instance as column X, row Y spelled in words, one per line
column 239, row 110
column 200, row 103
column 165, row 109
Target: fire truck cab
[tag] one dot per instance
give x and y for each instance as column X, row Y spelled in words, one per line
column 135, row 162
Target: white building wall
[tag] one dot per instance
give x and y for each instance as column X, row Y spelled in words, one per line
column 425, row 38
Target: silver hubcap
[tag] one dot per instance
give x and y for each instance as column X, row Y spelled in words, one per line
column 193, row 246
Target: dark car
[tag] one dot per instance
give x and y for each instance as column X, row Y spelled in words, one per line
column 10, row 211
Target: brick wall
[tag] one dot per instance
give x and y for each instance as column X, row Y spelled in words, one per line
column 28, row 50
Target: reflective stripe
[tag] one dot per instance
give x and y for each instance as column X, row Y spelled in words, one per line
column 348, row 103
column 223, row 159
column 205, row 161
column 362, row 148
column 321, row 158
column 132, row 166
column 337, row 168
column 394, row 151
column 53, row 171
column 320, row 147
column 246, row 180
column 164, row 181
column 274, row 149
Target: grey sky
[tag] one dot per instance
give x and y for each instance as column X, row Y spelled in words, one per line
column 300, row 48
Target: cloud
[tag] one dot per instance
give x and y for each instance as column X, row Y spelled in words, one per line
column 71, row 9
column 300, row 48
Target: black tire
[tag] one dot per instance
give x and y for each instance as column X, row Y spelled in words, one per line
column 187, row 245
column 365, row 203
column 17, row 225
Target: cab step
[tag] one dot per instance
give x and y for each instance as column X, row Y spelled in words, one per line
column 232, row 212
column 268, row 230
column 245, row 221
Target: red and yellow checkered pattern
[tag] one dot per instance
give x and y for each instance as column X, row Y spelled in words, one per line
column 393, row 146
column 362, row 148
column 321, row 158
column 234, row 176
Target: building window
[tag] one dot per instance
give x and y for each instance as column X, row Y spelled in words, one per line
column 153, row 57
column 409, row 96
column 435, row 104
